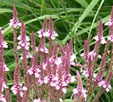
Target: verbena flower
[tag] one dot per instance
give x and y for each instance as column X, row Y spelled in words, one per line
column 2, row 98
column 35, row 70
column 18, row 88
column 14, row 22
column 79, row 92
column 3, row 85
column 51, row 32
column 43, row 31
column 100, row 37
column 106, row 83
column 110, row 36
column 37, row 100
column 110, row 22
column 24, row 41
column 3, row 44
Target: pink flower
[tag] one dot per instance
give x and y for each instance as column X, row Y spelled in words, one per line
column 110, row 22
column 37, row 100
column 14, row 22
column 100, row 37
column 3, row 44
column 83, row 92
column 106, row 83
column 18, row 88
column 2, row 98
column 42, row 47
column 79, row 91
column 3, row 84
column 43, row 31
column 23, row 43
column 110, row 38
column 4, row 67
column 28, row 55
column 51, row 33
column 35, row 70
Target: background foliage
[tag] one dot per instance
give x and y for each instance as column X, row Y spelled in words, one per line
column 75, row 19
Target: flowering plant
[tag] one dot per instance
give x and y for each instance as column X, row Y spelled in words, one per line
column 44, row 75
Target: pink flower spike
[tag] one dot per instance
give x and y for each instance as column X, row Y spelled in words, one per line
column 100, row 37
column 14, row 22
column 79, row 91
column 106, row 83
column 110, row 36
column 3, row 44
column 24, row 39
column 2, row 98
column 18, row 88
column 79, row 80
column 51, row 33
column 43, row 32
column 86, row 49
column 28, row 55
column 110, row 22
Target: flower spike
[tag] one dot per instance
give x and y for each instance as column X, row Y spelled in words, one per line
column 79, row 92
column 51, row 32
column 43, row 32
column 110, row 36
column 100, row 37
column 14, row 22
column 110, row 22
column 3, row 44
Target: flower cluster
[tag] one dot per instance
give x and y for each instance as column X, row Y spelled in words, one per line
column 14, row 22
column 79, row 91
column 18, row 88
column 2, row 98
column 47, row 74
column 48, row 33
column 3, row 68
column 24, row 42
column 53, row 70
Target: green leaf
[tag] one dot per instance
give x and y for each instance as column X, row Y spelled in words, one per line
column 3, row 10
column 83, row 3
column 83, row 16
column 69, row 100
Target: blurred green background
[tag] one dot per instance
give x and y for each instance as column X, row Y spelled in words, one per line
column 75, row 19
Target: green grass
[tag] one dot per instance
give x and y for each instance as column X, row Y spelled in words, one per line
column 75, row 19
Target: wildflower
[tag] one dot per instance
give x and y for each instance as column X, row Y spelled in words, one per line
column 28, row 55
column 110, row 36
column 4, row 67
column 3, row 44
column 24, row 42
column 110, row 22
column 106, row 83
column 51, row 33
column 14, row 22
column 37, row 100
column 98, row 78
column 17, row 88
column 79, row 91
column 35, row 70
column 43, row 31
column 2, row 98
column 42, row 47
column 3, row 85
column 100, row 37
column 23, row 39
